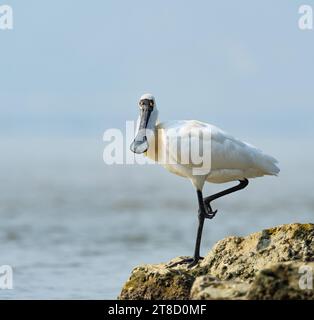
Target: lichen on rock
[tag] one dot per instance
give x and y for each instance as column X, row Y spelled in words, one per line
column 157, row 282
column 281, row 282
column 211, row 288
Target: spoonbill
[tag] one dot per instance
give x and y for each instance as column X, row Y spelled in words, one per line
column 230, row 158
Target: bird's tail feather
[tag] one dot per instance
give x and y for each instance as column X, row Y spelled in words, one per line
column 269, row 165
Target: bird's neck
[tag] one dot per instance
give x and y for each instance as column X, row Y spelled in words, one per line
column 152, row 134
column 153, row 120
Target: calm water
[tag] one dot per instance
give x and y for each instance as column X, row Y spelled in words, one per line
column 73, row 227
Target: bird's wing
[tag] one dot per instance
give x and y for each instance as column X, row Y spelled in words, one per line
column 230, row 153
column 214, row 145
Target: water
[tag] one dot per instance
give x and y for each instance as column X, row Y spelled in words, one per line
column 72, row 227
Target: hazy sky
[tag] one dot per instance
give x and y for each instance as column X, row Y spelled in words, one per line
column 76, row 67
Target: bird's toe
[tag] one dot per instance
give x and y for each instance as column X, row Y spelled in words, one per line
column 191, row 262
column 194, row 262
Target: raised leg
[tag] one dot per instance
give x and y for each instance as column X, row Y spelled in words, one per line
column 208, row 209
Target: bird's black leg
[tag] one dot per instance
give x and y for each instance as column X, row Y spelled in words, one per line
column 201, row 218
column 205, row 212
column 209, row 212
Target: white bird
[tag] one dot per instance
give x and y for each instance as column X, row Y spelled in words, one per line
column 227, row 158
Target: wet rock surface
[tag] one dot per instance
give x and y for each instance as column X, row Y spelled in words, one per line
column 269, row 264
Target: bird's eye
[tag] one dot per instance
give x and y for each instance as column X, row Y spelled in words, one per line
column 151, row 103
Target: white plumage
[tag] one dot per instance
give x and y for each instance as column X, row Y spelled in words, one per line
column 178, row 145
column 231, row 159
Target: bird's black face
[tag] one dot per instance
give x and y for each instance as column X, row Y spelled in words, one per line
column 146, row 102
column 140, row 144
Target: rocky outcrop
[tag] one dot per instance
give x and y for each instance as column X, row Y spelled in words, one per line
column 276, row 263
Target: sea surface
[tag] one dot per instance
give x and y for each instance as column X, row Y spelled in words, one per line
column 73, row 227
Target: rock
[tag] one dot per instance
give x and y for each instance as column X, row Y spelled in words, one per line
column 263, row 265
column 282, row 282
column 157, row 282
column 211, row 288
column 241, row 258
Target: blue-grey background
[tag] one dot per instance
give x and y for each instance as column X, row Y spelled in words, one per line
column 73, row 227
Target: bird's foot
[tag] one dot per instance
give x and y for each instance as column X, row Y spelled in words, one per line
column 191, row 262
column 209, row 212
